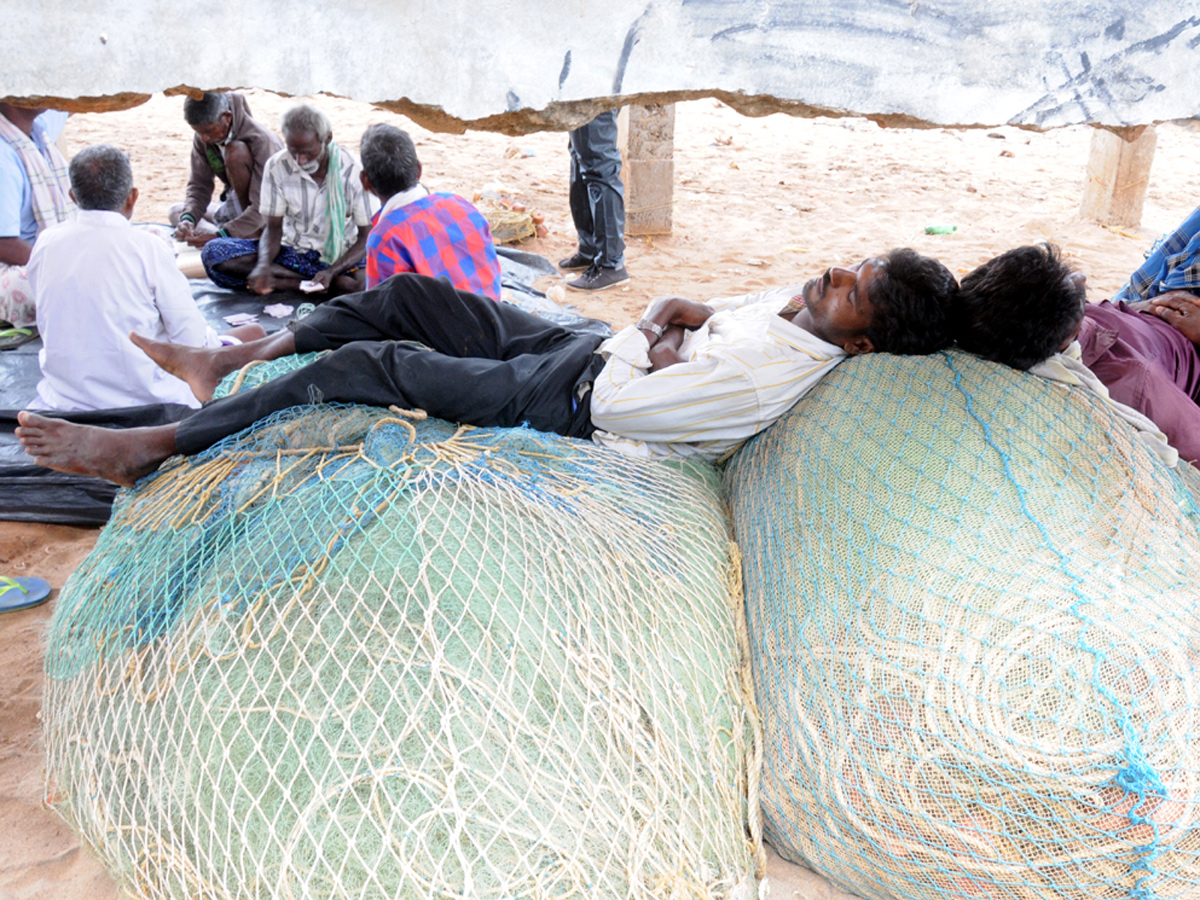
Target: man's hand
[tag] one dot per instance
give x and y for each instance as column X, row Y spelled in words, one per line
column 184, row 230
column 1180, row 309
column 261, row 281
column 199, row 238
column 324, row 278
column 667, row 311
column 665, row 351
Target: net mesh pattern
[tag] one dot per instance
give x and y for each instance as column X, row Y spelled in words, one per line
column 972, row 603
column 351, row 653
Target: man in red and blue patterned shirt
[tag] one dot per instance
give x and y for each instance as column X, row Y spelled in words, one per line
column 434, row 234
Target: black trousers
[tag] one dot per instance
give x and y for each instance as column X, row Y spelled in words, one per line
column 597, row 193
column 484, row 363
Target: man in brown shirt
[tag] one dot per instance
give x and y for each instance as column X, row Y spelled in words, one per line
column 231, row 146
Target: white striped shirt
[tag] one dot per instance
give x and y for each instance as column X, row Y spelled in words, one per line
column 741, row 370
column 294, row 195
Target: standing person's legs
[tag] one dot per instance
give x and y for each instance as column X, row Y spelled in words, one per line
column 598, row 202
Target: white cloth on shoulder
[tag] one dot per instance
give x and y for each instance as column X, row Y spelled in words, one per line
column 1067, row 367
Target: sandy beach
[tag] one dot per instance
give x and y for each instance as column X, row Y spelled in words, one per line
column 757, row 203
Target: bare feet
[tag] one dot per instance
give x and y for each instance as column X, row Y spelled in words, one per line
column 201, row 367
column 121, row 456
column 1180, row 309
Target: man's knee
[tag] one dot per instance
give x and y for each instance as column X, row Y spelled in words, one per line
column 239, row 164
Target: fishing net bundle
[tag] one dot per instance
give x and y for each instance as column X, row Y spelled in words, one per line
column 972, row 607
column 354, row 654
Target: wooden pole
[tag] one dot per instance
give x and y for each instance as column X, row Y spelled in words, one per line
column 1118, row 173
column 648, row 149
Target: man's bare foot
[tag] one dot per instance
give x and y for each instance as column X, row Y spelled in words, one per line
column 1181, row 309
column 121, row 456
column 201, row 367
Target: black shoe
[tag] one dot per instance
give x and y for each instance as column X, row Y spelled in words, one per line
column 599, row 278
column 575, row 261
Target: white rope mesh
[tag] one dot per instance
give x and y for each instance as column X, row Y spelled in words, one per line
column 972, row 601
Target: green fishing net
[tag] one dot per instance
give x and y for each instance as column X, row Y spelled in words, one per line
column 352, row 653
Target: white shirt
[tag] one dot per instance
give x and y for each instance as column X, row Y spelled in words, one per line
column 743, row 369
column 95, row 280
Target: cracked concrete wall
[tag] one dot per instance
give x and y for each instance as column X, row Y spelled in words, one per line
column 534, row 64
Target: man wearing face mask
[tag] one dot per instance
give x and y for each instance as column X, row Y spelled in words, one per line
column 318, row 217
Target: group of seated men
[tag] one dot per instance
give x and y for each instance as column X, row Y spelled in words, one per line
column 690, row 379
column 269, row 229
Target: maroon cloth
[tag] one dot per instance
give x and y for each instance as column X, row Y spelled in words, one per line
column 1148, row 365
column 263, row 145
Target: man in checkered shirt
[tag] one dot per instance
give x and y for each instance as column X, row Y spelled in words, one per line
column 434, row 234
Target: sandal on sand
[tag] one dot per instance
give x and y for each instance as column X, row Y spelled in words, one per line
column 22, row 593
column 11, row 338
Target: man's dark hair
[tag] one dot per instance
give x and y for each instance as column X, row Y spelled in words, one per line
column 1020, row 307
column 911, row 304
column 206, row 110
column 389, row 159
column 101, row 177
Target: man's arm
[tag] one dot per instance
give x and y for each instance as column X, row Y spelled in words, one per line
column 665, row 351
column 199, row 191
column 14, row 251
column 347, row 260
column 261, row 281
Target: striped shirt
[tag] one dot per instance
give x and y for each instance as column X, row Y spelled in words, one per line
column 294, row 195
column 741, row 370
column 1173, row 264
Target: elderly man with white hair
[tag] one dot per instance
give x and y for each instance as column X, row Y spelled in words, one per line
column 318, row 217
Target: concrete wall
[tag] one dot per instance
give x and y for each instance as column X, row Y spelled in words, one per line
column 519, row 65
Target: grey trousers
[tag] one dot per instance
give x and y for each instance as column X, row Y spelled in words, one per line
column 597, row 194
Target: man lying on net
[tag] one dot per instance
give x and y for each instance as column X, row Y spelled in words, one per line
column 689, row 380
column 1026, row 305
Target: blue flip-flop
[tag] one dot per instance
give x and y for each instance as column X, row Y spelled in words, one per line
column 22, row 593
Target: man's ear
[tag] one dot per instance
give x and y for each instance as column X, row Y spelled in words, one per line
column 366, row 183
column 71, row 194
column 420, row 169
column 130, row 202
column 856, row 346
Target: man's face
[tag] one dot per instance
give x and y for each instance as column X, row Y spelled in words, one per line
column 305, row 148
column 1078, row 284
column 215, row 132
column 839, row 304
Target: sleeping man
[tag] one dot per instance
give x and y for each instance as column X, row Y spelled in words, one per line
column 689, row 380
column 1026, row 305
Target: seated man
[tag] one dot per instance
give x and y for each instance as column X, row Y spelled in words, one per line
column 97, row 278
column 725, row 370
column 34, row 194
column 416, row 231
column 318, row 217
column 231, row 146
column 1026, row 305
